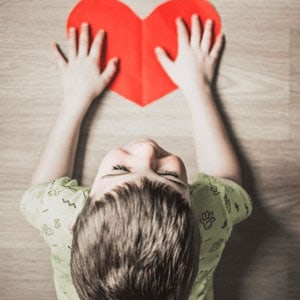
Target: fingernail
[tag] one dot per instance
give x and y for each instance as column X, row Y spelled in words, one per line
column 115, row 60
column 157, row 50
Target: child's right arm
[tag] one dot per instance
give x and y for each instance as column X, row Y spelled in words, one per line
column 193, row 71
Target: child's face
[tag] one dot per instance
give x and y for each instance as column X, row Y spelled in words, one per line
column 139, row 158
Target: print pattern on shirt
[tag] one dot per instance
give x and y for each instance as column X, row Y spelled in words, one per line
column 206, row 240
column 46, row 230
column 207, row 219
column 57, row 223
column 227, row 203
column 247, row 209
column 67, row 201
column 214, row 189
column 215, row 246
column 224, row 224
column 56, row 258
column 236, row 207
column 53, row 192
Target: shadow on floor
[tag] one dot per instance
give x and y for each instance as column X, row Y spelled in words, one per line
column 244, row 251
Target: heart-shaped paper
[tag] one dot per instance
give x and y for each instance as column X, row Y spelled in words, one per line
column 140, row 78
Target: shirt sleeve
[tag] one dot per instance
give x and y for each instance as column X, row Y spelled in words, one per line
column 32, row 203
column 218, row 204
column 234, row 200
column 51, row 207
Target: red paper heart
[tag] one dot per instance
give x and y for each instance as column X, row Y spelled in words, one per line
column 140, row 78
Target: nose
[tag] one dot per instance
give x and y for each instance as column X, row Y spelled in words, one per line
column 145, row 154
column 144, row 149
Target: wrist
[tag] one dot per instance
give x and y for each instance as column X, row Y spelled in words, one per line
column 73, row 112
column 77, row 102
column 197, row 91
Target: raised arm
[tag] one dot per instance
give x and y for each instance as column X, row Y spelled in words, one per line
column 193, row 71
column 83, row 81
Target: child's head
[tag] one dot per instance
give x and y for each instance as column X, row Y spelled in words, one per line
column 136, row 237
column 143, row 157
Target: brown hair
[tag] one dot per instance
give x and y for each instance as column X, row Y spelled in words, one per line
column 136, row 242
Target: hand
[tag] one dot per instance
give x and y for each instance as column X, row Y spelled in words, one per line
column 195, row 62
column 83, row 80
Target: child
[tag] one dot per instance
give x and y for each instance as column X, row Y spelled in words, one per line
column 141, row 231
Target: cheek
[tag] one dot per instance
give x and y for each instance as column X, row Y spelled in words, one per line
column 174, row 163
column 182, row 168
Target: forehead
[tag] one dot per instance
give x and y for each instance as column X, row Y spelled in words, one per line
column 107, row 184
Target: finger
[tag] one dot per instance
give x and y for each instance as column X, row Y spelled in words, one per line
column 109, row 71
column 196, row 32
column 72, row 52
column 182, row 34
column 60, row 60
column 96, row 47
column 163, row 59
column 215, row 52
column 83, row 40
column 206, row 39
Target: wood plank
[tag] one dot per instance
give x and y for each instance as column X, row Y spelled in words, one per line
column 259, row 89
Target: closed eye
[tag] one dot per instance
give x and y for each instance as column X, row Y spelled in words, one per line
column 172, row 176
column 165, row 173
column 120, row 167
column 168, row 173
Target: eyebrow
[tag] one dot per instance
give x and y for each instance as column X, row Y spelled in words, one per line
column 179, row 182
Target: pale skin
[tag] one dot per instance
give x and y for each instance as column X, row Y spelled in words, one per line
column 83, row 81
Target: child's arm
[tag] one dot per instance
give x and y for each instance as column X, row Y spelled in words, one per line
column 82, row 83
column 193, row 71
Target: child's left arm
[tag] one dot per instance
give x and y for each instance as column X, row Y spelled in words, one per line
column 83, row 81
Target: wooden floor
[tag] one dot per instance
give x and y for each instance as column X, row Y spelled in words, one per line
column 259, row 88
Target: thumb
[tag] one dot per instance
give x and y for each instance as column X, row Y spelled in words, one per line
column 60, row 59
column 109, row 71
column 163, row 59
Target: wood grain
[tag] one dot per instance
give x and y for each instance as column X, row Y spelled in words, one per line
column 259, row 89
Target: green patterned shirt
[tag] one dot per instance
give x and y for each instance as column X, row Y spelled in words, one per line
column 218, row 204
